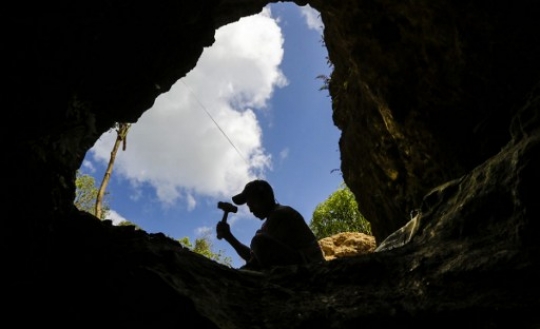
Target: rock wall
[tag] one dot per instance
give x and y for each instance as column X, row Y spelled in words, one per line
column 347, row 244
column 423, row 92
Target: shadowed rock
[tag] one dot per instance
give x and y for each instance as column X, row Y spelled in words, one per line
column 438, row 105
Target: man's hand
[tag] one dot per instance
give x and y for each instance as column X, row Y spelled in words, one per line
column 223, row 230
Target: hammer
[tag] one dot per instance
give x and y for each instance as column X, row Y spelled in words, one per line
column 227, row 208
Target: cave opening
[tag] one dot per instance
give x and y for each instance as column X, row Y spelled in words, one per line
column 255, row 106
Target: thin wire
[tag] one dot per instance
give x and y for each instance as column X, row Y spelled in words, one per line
column 217, row 125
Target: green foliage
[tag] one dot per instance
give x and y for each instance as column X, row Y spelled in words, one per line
column 185, row 242
column 203, row 246
column 128, row 223
column 86, row 193
column 339, row 213
column 326, row 81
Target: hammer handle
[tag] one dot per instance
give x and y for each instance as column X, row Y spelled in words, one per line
column 223, row 220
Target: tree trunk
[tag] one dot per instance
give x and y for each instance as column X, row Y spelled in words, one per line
column 121, row 132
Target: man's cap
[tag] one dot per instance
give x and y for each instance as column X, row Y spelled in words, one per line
column 256, row 188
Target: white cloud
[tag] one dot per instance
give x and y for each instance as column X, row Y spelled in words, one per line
column 89, row 166
column 203, row 137
column 115, row 217
column 205, row 232
column 191, row 202
column 284, row 154
column 313, row 18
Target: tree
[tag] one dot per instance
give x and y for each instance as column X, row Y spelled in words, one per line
column 121, row 138
column 86, row 193
column 203, row 246
column 339, row 213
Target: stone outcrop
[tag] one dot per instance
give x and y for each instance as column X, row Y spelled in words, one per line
column 347, row 244
column 438, row 103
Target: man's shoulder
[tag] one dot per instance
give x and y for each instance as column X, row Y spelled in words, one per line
column 281, row 207
column 284, row 210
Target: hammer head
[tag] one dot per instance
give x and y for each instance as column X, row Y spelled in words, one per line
column 227, row 207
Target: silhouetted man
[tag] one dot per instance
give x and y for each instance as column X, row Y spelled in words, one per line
column 283, row 239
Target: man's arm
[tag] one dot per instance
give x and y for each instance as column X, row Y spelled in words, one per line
column 241, row 249
column 224, row 230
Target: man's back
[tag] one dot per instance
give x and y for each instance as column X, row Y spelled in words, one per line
column 288, row 226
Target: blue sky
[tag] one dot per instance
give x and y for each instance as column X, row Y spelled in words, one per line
column 251, row 108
